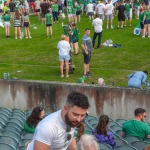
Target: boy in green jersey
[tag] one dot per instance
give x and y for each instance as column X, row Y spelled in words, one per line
column 127, row 12
column 49, row 22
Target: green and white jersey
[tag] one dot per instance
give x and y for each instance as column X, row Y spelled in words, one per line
column 48, row 18
column 6, row 17
column 69, row 9
column 78, row 7
column 17, row 5
column 75, row 33
column 69, row 3
column 55, row 7
column 74, row 10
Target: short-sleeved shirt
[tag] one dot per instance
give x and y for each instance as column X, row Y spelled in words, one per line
column 109, row 9
column 55, row 7
column 25, row 18
column 52, row 131
column 121, row 10
column 87, row 41
column 69, row 9
column 147, row 14
column 100, row 8
column 48, row 18
column 69, row 3
column 141, row 16
column 127, row 7
column 44, row 7
column 75, row 34
column 136, row 128
column 6, row 17
column 12, row 6
column 37, row 4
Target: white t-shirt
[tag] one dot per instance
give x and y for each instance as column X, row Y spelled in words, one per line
column 52, row 131
column 100, row 8
column 37, row 4
column 97, row 23
column 64, row 47
column 109, row 9
column 90, row 8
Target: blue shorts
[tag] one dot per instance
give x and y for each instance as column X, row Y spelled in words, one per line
column 147, row 21
column 87, row 58
column 64, row 57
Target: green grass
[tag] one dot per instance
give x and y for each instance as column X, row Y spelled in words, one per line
column 37, row 58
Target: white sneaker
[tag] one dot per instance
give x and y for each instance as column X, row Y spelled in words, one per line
column 26, row 37
column 15, row 37
column 112, row 27
column 20, row 37
column 30, row 37
column 143, row 36
column 107, row 27
column 149, row 36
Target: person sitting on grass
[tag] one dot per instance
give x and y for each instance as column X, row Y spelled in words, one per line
column 32, row 121
column 49, row 22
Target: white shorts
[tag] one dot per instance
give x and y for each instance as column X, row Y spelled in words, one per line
column 69, row 15
column 7, row 24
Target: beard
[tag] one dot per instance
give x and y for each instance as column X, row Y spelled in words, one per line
column 71, row 123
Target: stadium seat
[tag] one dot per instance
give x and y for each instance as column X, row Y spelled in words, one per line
column 9, row 140
column 18, row 116
column 92, row 122
column 111, row 123
column 115, row 128
column 131, row 139
column 116, row 136
column 3, row 121
column 19, row 111
column 87, row 130
column 4, row 115
column 147, row 140
column 125, row 147
column 88, row 118
column 27, row 136
column 23, row 142
column 119, row 132
column 6, row 110
column 11, row 128
column 5, row 146
column 12, row 134
column 105, row 146
column 121, row 121
column 15, row 125
column 140, row 145
column 22, row 148
column 17, row 121
column 120, row 142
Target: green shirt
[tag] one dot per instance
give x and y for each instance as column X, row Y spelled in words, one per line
column 65, row 30
column 28, row 129
column 75, row 34
column 127, row 7
column 69, row 8
column 48, row 18
column 141, row 15
column 0, row 1
column 136, row 128
column 69, row 3
column 55, row 7
column 74, row 10
column 17, row 5
column 6, row 17
column 78, row 7
column 147, row 14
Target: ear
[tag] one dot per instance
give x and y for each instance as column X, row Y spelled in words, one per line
column 66, row 108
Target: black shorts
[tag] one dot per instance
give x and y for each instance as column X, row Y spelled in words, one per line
column 87, row 58
column 141, row 24
column 75, row 41
column 147, row 21
column 121, row 17
column 1, row 10
column 26, row 24
column 78, row 12
column 48, row 25
column 37, row 10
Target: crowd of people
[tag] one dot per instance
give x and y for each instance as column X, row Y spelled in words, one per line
column 57, row 130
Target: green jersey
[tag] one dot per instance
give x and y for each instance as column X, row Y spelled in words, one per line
column 65, row 30
column 6, row 17
column 141, row 15
column 75, row 34
column 69, row 9
column 78, row 7
column 17, row 5
column 55, row 8
column 147, row 14
column 127, row 7
column 1, row 2
column 69, row 3
column 74, row 10
column 48, row 18
column 81, row 1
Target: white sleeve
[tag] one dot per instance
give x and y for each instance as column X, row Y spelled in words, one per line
column 45, row 133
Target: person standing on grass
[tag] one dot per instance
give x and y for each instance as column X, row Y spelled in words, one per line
column 37, row 8
column 90, row 11
column 127, row 13
column 17, row 25
column 6, row 20
column 97, row 23
column 64, row 55
column 87, row 47
column 26, row 24
column 141, row 16
column 75, row 38
column 109, row 14
column 44, row 7
column 78, row 12
column 55, row 11
column 12, row 9
column 26, row 6
column 121, row 14
column 49, row 23
column 146, row 22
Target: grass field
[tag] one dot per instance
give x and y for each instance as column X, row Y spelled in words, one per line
column 37, row 58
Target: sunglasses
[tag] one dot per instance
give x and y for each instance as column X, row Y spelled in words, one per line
column 68, row 135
